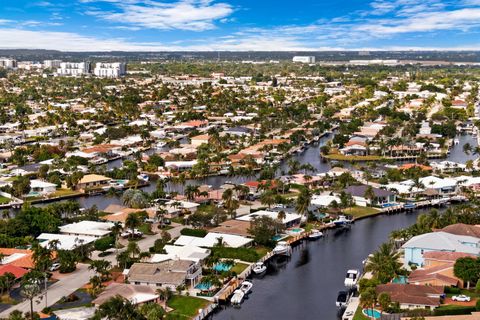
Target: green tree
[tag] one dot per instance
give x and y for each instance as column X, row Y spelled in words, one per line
column 467, row 269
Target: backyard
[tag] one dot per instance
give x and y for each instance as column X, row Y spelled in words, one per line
column 185, row 307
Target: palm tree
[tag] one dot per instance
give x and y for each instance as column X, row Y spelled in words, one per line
column 30, row 289
column 133, row 248
column 191, row 192
column 303, row 201
column 384, row 263
column 268, row 198
column 132, row 221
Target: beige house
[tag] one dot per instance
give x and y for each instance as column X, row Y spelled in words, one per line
column 92, row 181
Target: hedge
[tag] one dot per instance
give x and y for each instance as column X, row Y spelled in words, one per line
column 453, row 310
column 200, row 233
column 244, row 254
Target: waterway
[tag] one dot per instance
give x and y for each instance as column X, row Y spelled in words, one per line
column 306, row 287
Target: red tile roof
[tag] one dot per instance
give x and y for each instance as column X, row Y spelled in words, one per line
column 412, row 294
column 16, row 271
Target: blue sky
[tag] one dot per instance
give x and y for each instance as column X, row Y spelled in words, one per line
column 154, row 25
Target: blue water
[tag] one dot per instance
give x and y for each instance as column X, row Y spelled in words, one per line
column 372, row 313
column 400, row 279
column 222, row 267
column 203, row 286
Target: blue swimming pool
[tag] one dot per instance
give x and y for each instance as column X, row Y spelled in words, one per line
column 222, row 267
column 400, row 279
column 203, row 286
column 388, row 205
column 372, row 313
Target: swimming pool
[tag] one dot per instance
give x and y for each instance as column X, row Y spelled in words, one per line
column 295, row 231
column 203, row 286
column 388, row 205
column 222, row 267
column 372, row 313
column 279, row 237
column 400, row 279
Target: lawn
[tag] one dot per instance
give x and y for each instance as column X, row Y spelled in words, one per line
column 342, row 157
column 359, row 315
column 63, row 193
column 239, row 268
column 262, row 251
column 4, row 200
column 358, row 212
column 185, row 307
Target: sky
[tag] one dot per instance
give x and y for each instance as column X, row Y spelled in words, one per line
column 240, row 25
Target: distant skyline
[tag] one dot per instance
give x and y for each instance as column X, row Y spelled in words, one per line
column 236, row 25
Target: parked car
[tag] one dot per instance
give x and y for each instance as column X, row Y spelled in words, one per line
column 55, row 266
column 461, row 298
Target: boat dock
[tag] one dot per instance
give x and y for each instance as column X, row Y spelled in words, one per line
column 352, row 307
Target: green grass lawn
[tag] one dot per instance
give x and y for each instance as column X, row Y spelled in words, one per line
column 185, row 307
column 359, row 315
column 4, row 200
column 239, row 267
column 342, row 157
column 358, row 212
column 63, row 193
column 262, row 251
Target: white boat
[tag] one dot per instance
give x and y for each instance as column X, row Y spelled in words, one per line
column 456, row 141
column 315, row 234
column 143, row 177
column 351, row 279
column 237, row 297
column 246, row 287
column 282, row 248
column 341, row 220
column 259, row 268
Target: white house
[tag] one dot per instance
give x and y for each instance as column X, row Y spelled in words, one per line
column 88, row 228
column 42, row 187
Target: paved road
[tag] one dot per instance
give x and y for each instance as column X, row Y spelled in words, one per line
column 66, row 285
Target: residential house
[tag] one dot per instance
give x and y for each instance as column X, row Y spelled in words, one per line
column 171, row 273
column 88, row 228
column 42, row 187
column 417, row 246
column 412, row 296
column 381, row 196
column 93, row 181
column 136, row 294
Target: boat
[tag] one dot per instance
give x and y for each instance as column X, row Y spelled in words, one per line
column 341, row 220
column 351, row 279
column 143, row 177
column 237, row 297
column 282, row 248
column 342, row 299
column 246, row 287
column 315, row 234
column 259, row 268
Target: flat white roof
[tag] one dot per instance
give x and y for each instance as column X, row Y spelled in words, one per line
column 188, row 252
column 212, row 238
column 289, row 217
column 89, row 228
column 66, row 242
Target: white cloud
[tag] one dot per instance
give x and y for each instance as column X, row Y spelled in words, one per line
column 193, row 15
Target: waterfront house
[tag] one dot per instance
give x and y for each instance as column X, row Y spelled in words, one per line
column 188, row 252
column 136, row 294
column 438, row 241
column 412, row 296
column 93, row 181
column 381, row 195
column 214, row 238
column 290, row 220
column 171, row 273
column 461, row 229
column 42, row 187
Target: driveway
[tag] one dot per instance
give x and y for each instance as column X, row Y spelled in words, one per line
column 65, row 286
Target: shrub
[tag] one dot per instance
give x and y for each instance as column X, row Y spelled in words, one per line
column 453, row 310
column 200, row 233
column 244, row 254
column 453, row 290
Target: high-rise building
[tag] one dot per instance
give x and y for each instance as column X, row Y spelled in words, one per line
column 304, row 59
column 52, row 63
column 74, row 68
column 110, row 70
column 8, row 63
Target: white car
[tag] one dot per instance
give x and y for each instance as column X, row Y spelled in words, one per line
column 55, row 266
column 461, row 298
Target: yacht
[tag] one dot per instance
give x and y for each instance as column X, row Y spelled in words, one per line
column 246, row 287
column 259, row 268
column 341, row 220
column 237, row 297
column 282, row 248
column 342, row 299
column 351, row 279
column 315, row 234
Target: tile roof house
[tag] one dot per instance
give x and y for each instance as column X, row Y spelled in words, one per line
column 462, row 229
column 18, row 272
column 439, row 275
column 411, row 296
column 417, row 246
column 171, row 273
column 17, row 257
column 381, row 195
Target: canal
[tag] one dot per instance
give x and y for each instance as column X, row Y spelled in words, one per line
column 306, row 287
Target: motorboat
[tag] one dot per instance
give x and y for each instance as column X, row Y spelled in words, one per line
column 351, row 279
column 143, row 177
column 282, row 248
column 342, row 298
column 259, row 268
column 341, row 220
column 315, row 234
column 237, row 297
column 246, row 287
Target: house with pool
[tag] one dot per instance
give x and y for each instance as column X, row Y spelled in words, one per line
column 415, row 248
